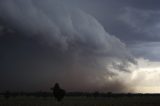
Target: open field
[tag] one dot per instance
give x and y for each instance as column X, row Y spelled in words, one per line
column 81, row 101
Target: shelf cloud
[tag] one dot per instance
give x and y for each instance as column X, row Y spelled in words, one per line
column 70, row 47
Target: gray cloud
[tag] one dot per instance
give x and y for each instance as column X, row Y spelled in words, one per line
column 143, row 22
column 148, row 50
column 143, row 4
column 78, row 50
column 109, row 13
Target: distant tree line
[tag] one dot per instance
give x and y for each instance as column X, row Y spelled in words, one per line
column 8, row 94
column 60, row 93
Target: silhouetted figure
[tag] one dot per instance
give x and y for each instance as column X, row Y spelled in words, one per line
column 58, row 92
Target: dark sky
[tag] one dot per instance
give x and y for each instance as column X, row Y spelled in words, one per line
column 83, row 44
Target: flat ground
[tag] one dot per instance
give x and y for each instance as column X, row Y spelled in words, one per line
column 81, row 101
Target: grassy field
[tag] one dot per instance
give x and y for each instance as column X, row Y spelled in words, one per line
column 81, row 101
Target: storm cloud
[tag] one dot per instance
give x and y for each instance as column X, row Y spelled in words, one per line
column 113, row 15
column 48, row 41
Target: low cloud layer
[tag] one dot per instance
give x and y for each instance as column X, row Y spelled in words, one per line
column 54, row 43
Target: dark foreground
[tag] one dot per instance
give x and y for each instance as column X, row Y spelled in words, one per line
column 148, row 100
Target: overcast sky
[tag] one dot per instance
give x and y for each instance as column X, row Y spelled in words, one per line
column 135, row 22
column 103, row 40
